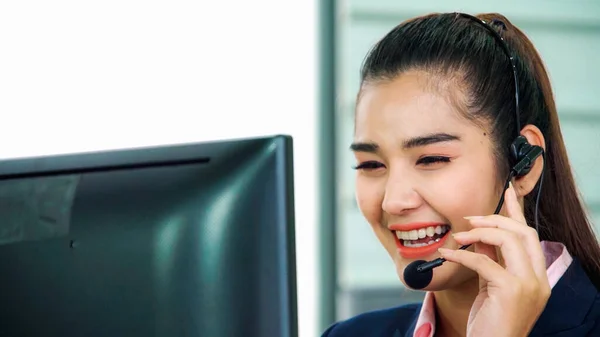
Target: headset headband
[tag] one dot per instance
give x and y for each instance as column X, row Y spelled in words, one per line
column 510, row 57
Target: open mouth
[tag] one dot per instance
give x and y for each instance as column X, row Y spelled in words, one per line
column 421, row 242
column 423, row 236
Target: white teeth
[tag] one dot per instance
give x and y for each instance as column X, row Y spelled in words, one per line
column 407, row 237
column 409, row 243
column 414, row 245
column 414, row 235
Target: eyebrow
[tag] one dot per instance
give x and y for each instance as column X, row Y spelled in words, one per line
column 428, row 140
column 364, row 147
column 410, row 143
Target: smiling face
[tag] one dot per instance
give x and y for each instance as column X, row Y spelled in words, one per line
column 421, row 168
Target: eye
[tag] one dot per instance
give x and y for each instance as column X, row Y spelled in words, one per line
column 432, row 160
column 368, row 165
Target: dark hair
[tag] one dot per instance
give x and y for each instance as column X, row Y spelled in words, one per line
column 463, row 53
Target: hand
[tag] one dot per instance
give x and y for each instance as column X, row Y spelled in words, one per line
column 510, row 298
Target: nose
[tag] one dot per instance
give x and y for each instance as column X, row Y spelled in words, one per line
column 400, row 196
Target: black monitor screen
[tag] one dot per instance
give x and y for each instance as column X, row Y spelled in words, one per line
column 189, row 240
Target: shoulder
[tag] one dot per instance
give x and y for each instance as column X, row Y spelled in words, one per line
column 589, row 326
column 383, row 322
column 592, row 318
column 573, row 308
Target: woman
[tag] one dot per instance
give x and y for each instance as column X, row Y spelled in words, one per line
column 435, row 120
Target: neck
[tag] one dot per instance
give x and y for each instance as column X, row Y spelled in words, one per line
column 453, row 307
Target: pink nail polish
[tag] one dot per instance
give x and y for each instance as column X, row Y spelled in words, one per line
column 445, row 251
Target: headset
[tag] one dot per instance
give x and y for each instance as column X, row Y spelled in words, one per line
column 418, row 274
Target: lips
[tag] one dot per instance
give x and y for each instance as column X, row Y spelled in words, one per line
column 418, row 240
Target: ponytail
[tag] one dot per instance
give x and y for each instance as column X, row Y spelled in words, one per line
column 562, row 213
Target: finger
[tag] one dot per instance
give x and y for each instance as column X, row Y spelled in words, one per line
column 482, row 264
column 488, row 250
column 528, row 236
column 514, row 254
column 512, row 206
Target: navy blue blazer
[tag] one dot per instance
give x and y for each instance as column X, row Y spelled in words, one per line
column 573, row 310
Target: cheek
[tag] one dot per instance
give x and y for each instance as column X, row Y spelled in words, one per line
column 466, row 191
column 369, row 197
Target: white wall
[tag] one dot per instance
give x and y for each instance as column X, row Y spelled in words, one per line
column 81, row 76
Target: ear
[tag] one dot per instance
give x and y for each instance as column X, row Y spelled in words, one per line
column 524, row 185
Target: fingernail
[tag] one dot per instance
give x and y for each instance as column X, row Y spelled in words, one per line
column 512, row 187
column 473, row 217
column 445, row 251
column 458, row 236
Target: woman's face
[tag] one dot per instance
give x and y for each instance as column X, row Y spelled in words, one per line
column 421, row 169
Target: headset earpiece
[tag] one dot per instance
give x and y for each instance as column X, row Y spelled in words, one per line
column 523, row 155
column 519, row 148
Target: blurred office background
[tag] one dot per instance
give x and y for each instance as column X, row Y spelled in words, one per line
column 567, row 34
column 78, row 76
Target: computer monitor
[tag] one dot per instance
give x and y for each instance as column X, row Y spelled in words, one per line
column 186, row 240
